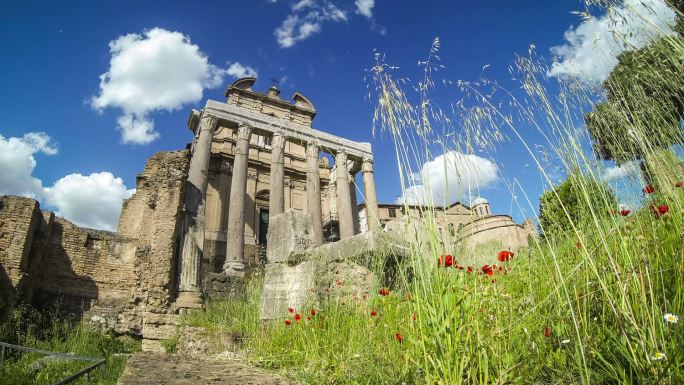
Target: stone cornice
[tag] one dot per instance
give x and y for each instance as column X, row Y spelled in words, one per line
column 293, row 131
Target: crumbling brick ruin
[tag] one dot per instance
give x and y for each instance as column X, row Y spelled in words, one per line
column 124, row 281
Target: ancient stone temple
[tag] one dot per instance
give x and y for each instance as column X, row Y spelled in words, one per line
column 197, row 222
column 253, row 157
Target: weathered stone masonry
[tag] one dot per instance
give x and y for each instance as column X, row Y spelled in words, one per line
column 124, row 281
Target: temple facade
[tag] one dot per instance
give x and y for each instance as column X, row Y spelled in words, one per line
column 252, row 157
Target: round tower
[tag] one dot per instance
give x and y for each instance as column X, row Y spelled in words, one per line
column 480, row 207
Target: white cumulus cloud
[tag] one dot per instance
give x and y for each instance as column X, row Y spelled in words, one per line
column 450, row 177
column 591, row 49
column 625, row 170
column 157, row 70
column 365, row 7
column 238, row 70
column 17, row 163
column 306, row 19
column 91, row 201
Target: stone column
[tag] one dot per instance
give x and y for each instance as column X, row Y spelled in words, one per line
column 276, row 199
column 235, row 247
column 371, row 195
column 192, row 241
column 344, row 205
column 354, row 203
column 313, row 192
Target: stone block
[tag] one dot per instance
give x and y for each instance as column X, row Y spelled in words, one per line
column 360, row 248
column 150, row 345
column 288, row 286
column 345, row 281
column 290, row 237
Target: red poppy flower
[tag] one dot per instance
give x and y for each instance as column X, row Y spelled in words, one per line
column 624, row 213
column 313, row 312
column 399, row 337
column 297, row 317
column 460, row 267
column 374, row 313
column 487, row 270
column 413, row 317
column 505, row 255
column 679, row 184
column 384, row 292
column 662, row 209
column 659, row 210
column 649, row 189
column 288, row 322
column 291, row 310
column 547, row 332
column 470, row 269
column 308, row 317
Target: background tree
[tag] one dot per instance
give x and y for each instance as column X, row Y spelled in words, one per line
column 644, row 106
column 582, row 196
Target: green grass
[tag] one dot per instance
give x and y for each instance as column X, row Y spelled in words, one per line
column 25, row 326
column 603, row 304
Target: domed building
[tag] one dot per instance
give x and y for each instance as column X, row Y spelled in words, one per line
column 460, row 226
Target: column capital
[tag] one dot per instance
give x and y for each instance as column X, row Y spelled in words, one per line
column 341, row 156
column 244, row 132
column 207, row 122
column 367, row 165
column 312, row 150
column 225, row 166
column 278, row 140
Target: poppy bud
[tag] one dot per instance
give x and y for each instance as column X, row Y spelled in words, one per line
column 399, row 337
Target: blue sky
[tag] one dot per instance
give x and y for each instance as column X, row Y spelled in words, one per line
column 53, row 54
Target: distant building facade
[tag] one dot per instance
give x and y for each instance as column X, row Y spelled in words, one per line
column 466, row 226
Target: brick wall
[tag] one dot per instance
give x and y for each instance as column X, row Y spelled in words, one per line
column 125, row 281
column 20, row 219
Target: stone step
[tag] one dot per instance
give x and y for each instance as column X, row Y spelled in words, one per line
column 164, row 369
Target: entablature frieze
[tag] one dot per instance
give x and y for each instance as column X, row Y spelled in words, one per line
column 292, row 131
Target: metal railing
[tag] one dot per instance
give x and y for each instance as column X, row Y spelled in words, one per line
column 96, row 362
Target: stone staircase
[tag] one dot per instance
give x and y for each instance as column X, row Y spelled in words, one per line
column 146, row 368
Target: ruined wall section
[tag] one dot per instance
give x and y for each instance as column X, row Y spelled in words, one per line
column 123, row 281
column 89, row 273
column 20, row 222
column 153, row 218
